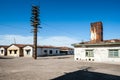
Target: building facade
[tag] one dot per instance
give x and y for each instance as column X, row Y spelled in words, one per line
column 3, row 50
column 26, row 50
column 15, row 50
column 66, row 51
column 97, row 49
column 41, row 51
column 103, row 52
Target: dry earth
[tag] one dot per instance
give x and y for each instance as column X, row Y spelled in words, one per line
column 56, row 68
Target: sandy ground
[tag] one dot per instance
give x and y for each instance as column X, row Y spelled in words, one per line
column 56, row 68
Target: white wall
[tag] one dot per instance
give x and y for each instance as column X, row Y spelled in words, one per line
column 13, row 47
column 50, row 49
column 40, row 51
column 28, row 54
column 100, row 54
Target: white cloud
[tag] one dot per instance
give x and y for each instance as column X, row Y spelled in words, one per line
column 53, row 40
column 10, row 39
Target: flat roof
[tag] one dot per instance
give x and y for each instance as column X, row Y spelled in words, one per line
column 112, row 44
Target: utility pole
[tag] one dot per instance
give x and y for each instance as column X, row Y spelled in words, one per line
column 14, row 40
column 35, row 21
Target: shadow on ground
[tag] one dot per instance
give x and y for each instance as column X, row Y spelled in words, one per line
column 6, row 57
column 84, row 74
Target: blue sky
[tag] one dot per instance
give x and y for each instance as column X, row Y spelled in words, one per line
column 63, row 22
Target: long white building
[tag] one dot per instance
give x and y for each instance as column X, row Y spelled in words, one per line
column 26, row 50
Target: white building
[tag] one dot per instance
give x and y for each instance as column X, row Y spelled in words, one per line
column 15, row 50
column 41, row 51
column 102, row 52
column 28, row 51
column 49, row 50
column 97, row 49
column 3, row 50
column 66, row 51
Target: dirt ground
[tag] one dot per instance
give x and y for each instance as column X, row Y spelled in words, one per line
column 56, row 68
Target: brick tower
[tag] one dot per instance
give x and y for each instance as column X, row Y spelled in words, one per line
column 96, row 32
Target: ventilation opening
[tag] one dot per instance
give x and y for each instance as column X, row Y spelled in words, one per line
column 76, row 58
column 89, row 59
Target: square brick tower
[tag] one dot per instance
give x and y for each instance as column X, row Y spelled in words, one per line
column 96, row 32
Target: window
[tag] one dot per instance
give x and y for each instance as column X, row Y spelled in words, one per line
column 56, row 51
column 45, row 51
column 89, row 53
column 15, row 51
column 10, row 51
column 113, row 53
column 51, row 52
column 28, row 52
column 1, row 51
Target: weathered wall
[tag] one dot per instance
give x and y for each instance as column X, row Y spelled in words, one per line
column 13, row 47
column 100, row 54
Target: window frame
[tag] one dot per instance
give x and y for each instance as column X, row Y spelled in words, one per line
column 89, row 53
column 112, row 53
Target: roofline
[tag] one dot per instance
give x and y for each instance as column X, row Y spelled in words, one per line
column 97, row 44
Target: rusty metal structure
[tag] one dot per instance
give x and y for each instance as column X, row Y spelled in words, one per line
column 96, row 32
column 35, row 21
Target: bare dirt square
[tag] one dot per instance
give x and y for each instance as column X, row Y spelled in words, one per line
column 56, row 68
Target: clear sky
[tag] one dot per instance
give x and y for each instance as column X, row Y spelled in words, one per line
column 63, row 22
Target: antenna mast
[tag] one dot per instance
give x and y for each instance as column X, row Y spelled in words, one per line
column 14, row 40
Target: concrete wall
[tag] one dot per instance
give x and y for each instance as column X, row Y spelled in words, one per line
column 12, row 48
column 100, row 54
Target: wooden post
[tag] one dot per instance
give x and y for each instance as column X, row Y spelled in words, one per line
column 35, row 23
